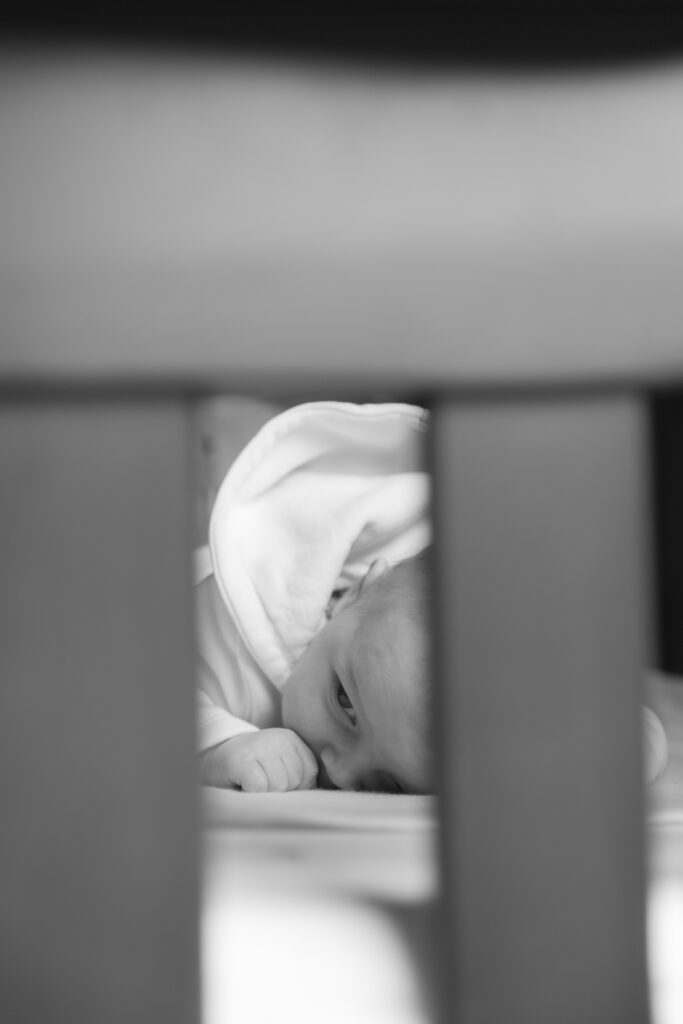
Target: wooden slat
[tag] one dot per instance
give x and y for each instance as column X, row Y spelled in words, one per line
column 543, row 591
column 98, row 886
column 296, row 222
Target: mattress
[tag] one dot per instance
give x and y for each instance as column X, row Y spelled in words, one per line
column 664, row 837
column 300, row 889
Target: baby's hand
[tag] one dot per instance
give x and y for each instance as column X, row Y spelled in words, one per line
column 268, row 761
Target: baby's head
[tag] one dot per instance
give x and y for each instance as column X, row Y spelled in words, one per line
column 360, row 694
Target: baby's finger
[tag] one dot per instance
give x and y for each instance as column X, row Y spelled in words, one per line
column 305, row 769
column 251, row 777
column 295, row 769
column 277, row 774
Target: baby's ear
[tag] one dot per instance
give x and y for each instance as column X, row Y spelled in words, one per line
column 374, row 573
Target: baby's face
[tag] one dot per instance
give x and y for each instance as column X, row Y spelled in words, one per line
column 357, row 712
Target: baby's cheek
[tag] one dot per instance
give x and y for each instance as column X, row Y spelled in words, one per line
column 304, row 718
column 287, row 701
column 293, row 704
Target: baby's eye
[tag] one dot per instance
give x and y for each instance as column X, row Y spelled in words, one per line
column 344, row 702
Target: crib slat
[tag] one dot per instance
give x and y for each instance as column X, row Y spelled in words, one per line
column 98, row 872
column 543, row 590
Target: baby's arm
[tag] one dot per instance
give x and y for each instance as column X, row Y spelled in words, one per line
column 270, row 760
column 235, row 753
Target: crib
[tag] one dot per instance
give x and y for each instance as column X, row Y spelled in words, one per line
column 503, row 250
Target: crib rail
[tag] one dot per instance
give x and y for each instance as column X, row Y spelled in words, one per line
column 187, row 218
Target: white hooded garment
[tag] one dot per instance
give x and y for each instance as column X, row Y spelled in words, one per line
column 315, row 497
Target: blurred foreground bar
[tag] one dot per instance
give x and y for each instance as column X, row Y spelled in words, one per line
column 253, row 223
column 98, row 904
column 542, row 586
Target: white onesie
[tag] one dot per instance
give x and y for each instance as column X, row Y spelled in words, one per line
column 320, row 492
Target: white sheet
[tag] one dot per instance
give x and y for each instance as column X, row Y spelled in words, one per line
column 664, row 815
column 295, row 885
column 319, row 809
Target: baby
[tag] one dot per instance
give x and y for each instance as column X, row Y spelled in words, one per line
column 296, row 689
column 355, row 709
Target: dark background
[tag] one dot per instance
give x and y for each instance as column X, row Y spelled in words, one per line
column 467, row 32
column 667, row 463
